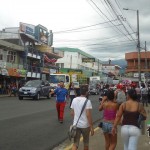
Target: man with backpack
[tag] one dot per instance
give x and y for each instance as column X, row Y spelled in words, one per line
column 120, row 94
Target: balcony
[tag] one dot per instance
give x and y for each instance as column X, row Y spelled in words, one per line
column 33, row 53
column 50, row 51
column 34, row 72
column 135, row 69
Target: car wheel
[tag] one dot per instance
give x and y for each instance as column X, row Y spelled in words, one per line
column 20, row 98
column 37, row 97
column 49, row 96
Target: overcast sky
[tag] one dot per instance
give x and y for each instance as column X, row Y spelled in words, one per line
column 99, row 27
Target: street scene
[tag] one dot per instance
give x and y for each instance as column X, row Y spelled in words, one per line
column 75, row 74
column 33, row 125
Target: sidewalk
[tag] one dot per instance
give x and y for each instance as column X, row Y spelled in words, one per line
column 97, row 141
column 4, row 95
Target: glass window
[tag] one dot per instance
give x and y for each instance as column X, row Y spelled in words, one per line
column 67, row 78
column 57, row 78
column 33, row 83
column 11, row 56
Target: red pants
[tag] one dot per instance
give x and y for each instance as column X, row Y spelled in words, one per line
column 60, row 106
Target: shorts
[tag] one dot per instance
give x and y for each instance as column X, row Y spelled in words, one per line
column 85, row 133
column 107, row 127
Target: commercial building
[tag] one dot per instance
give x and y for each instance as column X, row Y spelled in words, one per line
column 26, row 53
column 76, row 61
column 132, row 69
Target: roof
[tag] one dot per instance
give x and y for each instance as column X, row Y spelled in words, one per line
column 67, row 49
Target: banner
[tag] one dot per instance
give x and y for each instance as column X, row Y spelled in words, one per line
column 41, row 34
column 53, row 60
column 27, row 29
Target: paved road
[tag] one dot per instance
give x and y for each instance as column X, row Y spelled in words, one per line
column 33, row 125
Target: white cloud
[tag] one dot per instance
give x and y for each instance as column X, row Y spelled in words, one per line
column 60, row 15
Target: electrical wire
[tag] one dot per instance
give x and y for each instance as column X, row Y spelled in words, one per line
column 115, row 12
column 109, row 19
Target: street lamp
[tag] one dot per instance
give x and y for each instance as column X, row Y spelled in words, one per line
column 138, row 43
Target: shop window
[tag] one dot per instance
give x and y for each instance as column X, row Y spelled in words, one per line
column 11, row 56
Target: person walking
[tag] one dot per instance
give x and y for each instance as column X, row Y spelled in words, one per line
column 130, row 111
column 120, row 95
column 61, row 96
column 109, row 107
column 72, row 92
column 85, row 123
column 138, row 91
column 144, row 94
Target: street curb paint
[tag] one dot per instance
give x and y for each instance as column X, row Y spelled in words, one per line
column 81, row 139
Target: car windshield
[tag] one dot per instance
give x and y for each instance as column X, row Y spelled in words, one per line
column 33, row 83
column 57, row 78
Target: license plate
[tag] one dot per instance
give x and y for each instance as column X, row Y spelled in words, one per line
column 25, row 92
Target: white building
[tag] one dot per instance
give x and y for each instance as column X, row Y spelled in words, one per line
column 111, row 69
column 73, row 59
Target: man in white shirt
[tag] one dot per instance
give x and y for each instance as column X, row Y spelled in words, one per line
column 85, row 124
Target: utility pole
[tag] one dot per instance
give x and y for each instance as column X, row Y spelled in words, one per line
column 146, row 67
column 138, row 44
column 138, row 47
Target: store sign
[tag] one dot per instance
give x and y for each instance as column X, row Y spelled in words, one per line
column 136, row 75
column 41, row 34
column 74, row 71
column 52, row 71
column 27, row 29
column 88, row 60
column 17, row 72
column 4, row 72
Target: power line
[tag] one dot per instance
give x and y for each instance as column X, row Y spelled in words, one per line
column 113, row 9
column 108, row 19
column 85, row 26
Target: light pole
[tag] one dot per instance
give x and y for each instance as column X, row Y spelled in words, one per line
column 138, row 43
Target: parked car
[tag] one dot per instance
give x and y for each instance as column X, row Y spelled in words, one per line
column 35, row 89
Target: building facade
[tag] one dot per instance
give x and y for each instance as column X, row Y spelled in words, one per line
column 132, row 68
column 73, row 59
column 111, row 70
column 26, row 53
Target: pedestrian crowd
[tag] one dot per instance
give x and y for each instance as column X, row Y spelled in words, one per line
column 121, row 105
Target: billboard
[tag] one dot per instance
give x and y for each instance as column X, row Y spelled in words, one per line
column 27, row 29
column 88, row 60
column 41, row 34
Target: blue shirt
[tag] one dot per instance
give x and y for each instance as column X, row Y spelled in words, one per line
column 61, row 94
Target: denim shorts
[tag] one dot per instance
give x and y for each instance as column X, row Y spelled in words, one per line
column 107, row 127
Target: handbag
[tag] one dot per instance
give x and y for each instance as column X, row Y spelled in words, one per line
column 73, row 128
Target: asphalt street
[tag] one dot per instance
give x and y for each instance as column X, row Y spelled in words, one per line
column 33, row 125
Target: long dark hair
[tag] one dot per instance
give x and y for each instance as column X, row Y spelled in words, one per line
column 132, row 94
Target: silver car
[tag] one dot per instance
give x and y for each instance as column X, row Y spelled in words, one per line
column 35, row 89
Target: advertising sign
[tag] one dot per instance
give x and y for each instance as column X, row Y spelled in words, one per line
column 17, row 72
column 41, row 34
column 88, row 60
column 27, row 29
column 78, row 71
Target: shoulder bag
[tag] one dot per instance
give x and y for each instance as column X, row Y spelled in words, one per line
column 73, row 128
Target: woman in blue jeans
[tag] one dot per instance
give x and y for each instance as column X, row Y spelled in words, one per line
column 129, row 112
column 110, row 108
